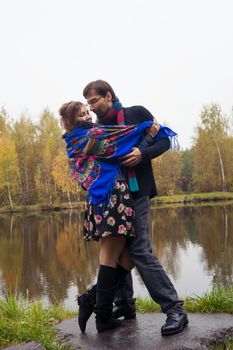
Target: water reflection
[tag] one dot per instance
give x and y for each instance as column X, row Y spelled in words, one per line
column 46, row 255
column 207, row 230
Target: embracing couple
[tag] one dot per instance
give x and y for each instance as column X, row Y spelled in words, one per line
column 111, row 159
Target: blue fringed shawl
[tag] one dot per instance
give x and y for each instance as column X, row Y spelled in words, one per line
column 94, row 152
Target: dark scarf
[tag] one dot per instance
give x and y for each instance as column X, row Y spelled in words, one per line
column 116, row 115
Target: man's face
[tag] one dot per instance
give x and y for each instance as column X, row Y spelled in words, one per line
column 98, row 104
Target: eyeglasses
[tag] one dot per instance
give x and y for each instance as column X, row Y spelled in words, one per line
column 94, row 101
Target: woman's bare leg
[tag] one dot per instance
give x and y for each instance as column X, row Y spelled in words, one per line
column 125, row 260
column 111, row 249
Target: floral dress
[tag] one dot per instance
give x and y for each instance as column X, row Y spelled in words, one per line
column 116, row 219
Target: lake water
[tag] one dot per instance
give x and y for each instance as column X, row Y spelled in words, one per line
column 44, row 256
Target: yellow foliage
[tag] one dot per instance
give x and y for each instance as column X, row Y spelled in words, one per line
column 167, row 170
column 62, row 174
column 8, row 163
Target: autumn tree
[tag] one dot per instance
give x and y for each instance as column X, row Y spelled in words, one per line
column 8, row 168
column 8, row 161
column 210, row 151
column 5, row 124
column 186, row 176
column 49, row 145
column 62, row 175
column 25, row 137
column 167, row 170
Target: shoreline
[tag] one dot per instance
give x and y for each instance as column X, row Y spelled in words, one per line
column 156, row 202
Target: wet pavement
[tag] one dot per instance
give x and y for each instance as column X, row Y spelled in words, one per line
column 144, row 333
column 31, row 345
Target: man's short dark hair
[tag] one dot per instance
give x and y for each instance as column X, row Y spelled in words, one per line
column 101, row 87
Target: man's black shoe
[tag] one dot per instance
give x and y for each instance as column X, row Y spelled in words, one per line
column 128, row 311
column 86, row 304
column 175, row 323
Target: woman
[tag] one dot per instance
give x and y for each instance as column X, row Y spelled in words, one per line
column 94, row 154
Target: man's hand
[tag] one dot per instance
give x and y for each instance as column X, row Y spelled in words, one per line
column 133, row 158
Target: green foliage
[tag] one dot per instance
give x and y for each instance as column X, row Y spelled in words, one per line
column 193, row 198
column 186, row 175
column 22, row 321
column 226, row 345
column 217, row 300
column 147, row 305
column 167, row 169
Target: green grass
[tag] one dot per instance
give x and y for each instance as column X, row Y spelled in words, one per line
column 22, row 321
column 226, row 345
column 42, row 207
column 193, row 198
column 217, row 300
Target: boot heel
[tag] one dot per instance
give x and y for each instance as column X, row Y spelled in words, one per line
column 86, row 304
column 103, row 326
column 130, row 316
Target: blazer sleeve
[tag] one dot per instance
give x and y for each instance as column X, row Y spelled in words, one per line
column 158, row 147
column 155, row 150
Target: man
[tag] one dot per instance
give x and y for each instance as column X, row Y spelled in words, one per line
column 103, row 102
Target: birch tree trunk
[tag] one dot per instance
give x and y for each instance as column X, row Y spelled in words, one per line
column 221, row 168
column 9, row 195
column 68, row 195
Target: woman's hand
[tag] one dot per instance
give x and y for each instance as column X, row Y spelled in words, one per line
column 154, row 129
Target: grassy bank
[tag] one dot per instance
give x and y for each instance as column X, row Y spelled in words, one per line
column 226, row 345
column 193, row 198
column 163, row 201
column 21, row 320
column 217, row 300
column 41, row 207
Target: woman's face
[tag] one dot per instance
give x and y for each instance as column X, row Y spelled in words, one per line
column 83, row 115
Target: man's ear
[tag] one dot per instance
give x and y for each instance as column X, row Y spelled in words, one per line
column 109, row 96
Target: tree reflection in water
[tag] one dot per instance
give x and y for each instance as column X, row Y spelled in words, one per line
column 210, row 227
column 46, row 254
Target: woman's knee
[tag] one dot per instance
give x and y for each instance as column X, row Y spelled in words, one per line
column 110, row 250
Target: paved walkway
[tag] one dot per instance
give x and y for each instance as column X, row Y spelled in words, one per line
column 144, row 333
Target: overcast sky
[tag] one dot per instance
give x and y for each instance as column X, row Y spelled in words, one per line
column 172, row 56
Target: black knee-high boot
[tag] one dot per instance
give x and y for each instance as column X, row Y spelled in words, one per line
column 123, row 308
column 105, row 293
column 121, row 274
column 86, row 303
column 87, row 300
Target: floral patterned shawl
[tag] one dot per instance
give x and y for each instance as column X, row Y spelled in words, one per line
column 94, row 151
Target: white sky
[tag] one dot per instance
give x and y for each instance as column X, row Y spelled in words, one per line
column 170, row 56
